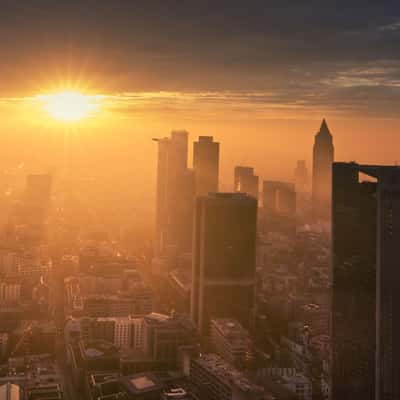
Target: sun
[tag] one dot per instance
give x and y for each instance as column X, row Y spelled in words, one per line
column 69, row 106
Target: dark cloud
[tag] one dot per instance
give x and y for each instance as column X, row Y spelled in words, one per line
column 337, row 54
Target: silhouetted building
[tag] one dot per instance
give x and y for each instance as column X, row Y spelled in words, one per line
column 323, row 156
column 175, row 193
column 245, row 181
column 206, row 165
column 279, row 207
column 366, row 282
column 223, row 258
column 301, row 176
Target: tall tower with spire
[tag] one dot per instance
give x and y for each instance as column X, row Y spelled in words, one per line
column 323, row 156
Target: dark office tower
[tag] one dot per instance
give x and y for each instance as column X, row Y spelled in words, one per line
column 171, row 177
column 206, row 165
column 245, row 181
column 366, row 283
column 224, row 244
column 301, row 176
column 183, row 211
column 323, row 156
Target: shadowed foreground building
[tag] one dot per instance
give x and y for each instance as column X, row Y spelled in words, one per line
column 323, row 156
column 223, row 258
column 366, row 283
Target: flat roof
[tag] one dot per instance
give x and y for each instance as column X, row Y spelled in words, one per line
column 142, row 382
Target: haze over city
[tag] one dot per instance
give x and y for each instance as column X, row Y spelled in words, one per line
column 199, row 200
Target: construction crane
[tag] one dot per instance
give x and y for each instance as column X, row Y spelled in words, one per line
column 26, row 333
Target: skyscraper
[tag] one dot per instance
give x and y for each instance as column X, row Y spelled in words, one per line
column 175, row 190
column 301, row 176
column 279, row 207
column 245, row 181
column 206, row 165
column 323, row 156
column 366, row 282
column 224, row 245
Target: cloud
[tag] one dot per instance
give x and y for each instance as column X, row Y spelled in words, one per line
column 176, row 56
column 392, row 27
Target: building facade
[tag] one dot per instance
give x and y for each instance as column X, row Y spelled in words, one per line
column 206, row 165
column 224, row 248
column 245, row 181
column 323, row 156
column 366, row 282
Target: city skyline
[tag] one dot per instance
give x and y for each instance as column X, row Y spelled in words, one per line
column 274, row 82
column 199, row 200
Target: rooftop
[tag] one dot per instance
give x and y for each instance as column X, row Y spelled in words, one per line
column 231, row 330
column 227, row 373
column 97, row 348
column 149, row 381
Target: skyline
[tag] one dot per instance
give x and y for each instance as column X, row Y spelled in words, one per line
column 199, row 200
column 283, row 68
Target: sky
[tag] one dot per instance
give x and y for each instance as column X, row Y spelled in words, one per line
column 258, row 75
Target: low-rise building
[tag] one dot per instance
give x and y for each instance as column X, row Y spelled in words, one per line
column 230, row 340
column 292, row 380
column 218, row 380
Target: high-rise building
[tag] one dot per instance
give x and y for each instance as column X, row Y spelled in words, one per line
column 301, row 176
column 279, row 207
column 175, row 193
column 366, row 282
column 323, row 156
column 245, row 181
column 206, row 165
column 224, row 244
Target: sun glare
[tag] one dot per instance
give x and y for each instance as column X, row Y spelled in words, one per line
column 69, row 106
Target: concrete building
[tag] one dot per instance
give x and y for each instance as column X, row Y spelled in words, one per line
column 137, row 301
column 218, row 380
column 366, row 282
column 230, row 340
column 245, row 181
column 206, row 165
column 164, row 335
column 292, row 380
column 323, row 156
column 10, row 391
column 122, row 328
column 224, row 257
column 92, row 355
column 10, row 292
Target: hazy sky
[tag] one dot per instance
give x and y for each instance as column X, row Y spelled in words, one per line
column 258, row 75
